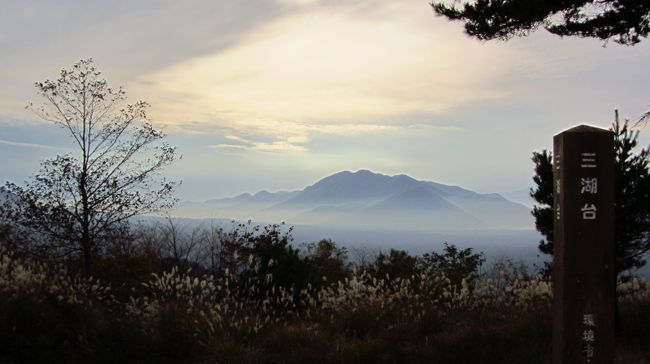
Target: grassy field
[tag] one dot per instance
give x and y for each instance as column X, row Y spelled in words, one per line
column 48, row 315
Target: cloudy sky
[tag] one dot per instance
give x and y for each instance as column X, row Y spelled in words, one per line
column 276, row 94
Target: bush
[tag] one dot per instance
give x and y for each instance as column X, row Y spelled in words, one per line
column 395, row 264
column 454, row 263
column 326, row 261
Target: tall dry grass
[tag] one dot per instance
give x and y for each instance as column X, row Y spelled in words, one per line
column 50, row 315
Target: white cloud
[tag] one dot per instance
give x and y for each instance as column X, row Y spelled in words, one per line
column 32, row 145
column 278, row 146
column 328, row 70
column 297, row 2
column 290, row 136
column 236, row 138
column 229, row 146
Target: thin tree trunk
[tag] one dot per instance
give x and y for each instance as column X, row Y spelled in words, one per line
column 86, row 239
column 86, row 245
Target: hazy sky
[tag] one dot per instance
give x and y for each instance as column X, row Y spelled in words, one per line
column 276, row 94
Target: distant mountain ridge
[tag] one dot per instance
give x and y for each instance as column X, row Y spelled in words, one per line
column 364, row 199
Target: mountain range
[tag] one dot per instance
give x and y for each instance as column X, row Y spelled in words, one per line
column 368, row 200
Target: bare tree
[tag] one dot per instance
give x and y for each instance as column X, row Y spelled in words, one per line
column 79, row 200
column 212, row 247
column 178, row 245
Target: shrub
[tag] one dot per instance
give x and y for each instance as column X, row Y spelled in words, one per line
column 454, row 263
column 326, row 261
column 395, row 264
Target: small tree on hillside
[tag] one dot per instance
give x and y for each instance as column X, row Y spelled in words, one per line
column 456, row 264
column 80, row 200
column 632, row 187
column 395, row 264
column 327, row 261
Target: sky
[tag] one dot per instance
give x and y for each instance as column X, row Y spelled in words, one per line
column 276, row 94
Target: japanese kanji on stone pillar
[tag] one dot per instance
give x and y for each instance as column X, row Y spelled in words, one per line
column 584, row 272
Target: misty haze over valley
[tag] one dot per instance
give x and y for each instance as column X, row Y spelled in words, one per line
column 368, row 200
column 370, row 212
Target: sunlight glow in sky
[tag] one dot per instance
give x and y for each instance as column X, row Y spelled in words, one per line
column 315, row 71
column 319, row 66
column 277, row 95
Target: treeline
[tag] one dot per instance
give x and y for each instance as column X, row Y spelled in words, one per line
column 162, row 245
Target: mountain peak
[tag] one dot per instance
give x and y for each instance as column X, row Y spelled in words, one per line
column 366, row 172
column 364, row 198
column 360, row 186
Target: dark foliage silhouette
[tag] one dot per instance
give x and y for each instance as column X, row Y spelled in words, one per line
column 632, row 187
column 627, row 22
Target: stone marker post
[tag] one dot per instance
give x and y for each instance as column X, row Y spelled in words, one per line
column 584, row 273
